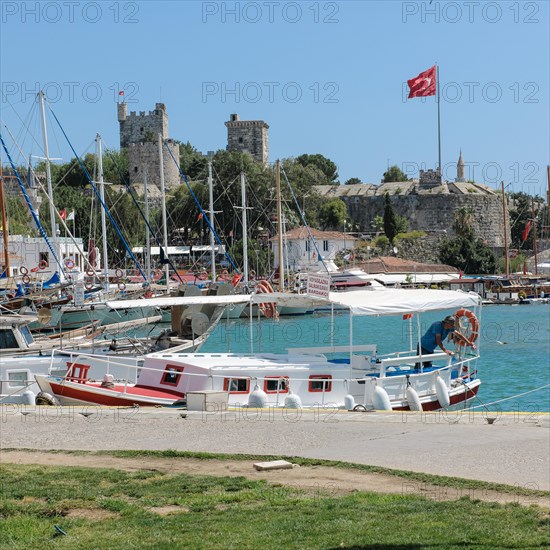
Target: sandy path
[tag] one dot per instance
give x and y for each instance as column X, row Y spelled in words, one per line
column 321, row 480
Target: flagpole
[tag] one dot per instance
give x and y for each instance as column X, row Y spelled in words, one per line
column 438, row 121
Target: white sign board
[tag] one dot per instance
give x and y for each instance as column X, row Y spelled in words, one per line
column 79, row 294
column 318, row 285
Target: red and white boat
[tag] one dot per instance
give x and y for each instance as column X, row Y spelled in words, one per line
column 346, row 377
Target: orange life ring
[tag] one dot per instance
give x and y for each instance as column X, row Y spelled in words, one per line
column 23, row 270
column 26, row 279
column 69, row 264
column 90, row 272
column 118, row 273
column 269, row 309
column 42, row 264
column 121, row 286
column 471, row 331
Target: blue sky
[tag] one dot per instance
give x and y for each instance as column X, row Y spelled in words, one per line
column 328, row 77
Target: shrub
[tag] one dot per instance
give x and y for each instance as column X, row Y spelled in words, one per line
column 381, row 241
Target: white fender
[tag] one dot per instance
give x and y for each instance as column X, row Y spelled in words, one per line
column 381, row 399
column 293, row 401
column 442, row 392
column 349, row 402
column 413, row 399
column 258, row 398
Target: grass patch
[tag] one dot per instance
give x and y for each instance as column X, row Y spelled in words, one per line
column 410, row 235
column 429, row 479
column 226, row 513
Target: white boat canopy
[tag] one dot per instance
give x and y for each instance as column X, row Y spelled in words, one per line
column 359, row 302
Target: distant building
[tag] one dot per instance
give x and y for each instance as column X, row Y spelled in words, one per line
column 302, row 254
column 248, row 136
column 139, row 135
column 460, row 170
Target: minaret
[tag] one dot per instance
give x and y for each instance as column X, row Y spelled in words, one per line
column 460, row 169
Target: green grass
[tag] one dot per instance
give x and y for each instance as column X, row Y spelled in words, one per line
column 105, row 508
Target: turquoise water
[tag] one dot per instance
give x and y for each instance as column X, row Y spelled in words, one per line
column 514, row 344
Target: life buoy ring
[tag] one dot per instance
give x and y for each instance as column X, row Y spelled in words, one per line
column 121, row 286
column 90, row 272
column 88, row 286
column 69, row 264
column 23, row 270
column 269, row 309
column 43, row 398
column 224, row 275
column 118, row 273
column 468, row 333
column 42, row 264
column 148, row 294
column 26, row 279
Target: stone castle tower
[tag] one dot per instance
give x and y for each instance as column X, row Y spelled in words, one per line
column 248, row 136
column 139, row 135
column 460, row 169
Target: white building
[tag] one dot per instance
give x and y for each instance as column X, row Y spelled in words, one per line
column 32, row 256
column 303, row 250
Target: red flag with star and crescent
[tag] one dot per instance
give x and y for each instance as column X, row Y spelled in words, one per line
column 424, row 84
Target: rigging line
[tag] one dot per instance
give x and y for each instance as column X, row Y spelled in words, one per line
column 29, row 204
column 101, row 202
column 41, row 187
column 201, row 209
column 511, row 397
column 304, row 221
column 130, row 191
column 33, row 108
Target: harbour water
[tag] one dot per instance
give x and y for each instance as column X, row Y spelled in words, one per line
column 514, row 344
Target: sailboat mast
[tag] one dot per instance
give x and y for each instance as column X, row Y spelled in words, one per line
column 245, row 229
column 506, row 260
column 103, row 221
column 211, row 205
column 279, row 225
column 534, row 234
column 147, row 235
column 48, row 168
column 4, row 224
column 163, row 206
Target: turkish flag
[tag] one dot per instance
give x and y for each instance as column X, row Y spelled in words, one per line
column 424, row 84
column 525, row 233
column 408, row 316
column 63, row 214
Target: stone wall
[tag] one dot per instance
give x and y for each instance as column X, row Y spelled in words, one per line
column 434, row 213
column 423, row 249
column 248, row 136
column 137, row 128
column 140, row 154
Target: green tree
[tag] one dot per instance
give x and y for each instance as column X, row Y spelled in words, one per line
column 520, row 213
column 333, row 213
column 352, row 181
column 325, row 165
column 393, row 173
column 192, row 162
column 465, row 251
column 391, row 227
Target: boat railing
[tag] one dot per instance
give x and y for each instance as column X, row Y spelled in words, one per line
column 334, row 349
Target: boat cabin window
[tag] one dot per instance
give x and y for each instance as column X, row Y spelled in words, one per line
column 172, row 375
column 18, row 378
column 274, row 384
column 27, row 334
column 7, row 339
column 325, row 246
column 44, row 257
column 320, row 382
column 238, row 385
